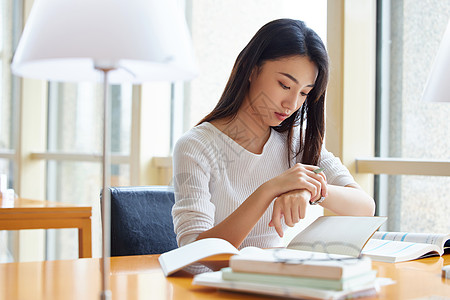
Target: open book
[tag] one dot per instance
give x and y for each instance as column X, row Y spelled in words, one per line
column 404, row 246
column 342, row 235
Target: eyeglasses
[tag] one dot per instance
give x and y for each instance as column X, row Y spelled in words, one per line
column 318, row 251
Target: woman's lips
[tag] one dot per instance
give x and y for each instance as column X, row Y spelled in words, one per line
column 281, row 116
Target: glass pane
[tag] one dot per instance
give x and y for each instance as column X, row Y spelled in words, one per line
column 121, row 118
column 6, row 255
column 411, row 128
column 75, row 112
column 7, row 169
column 417, row 206
column 6, row 237
column 76, row 117
column 419, row 129
column 78, row 183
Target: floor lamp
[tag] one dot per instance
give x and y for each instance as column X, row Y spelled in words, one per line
column 127, row 41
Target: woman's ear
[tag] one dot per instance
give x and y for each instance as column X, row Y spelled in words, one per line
column 255, row 72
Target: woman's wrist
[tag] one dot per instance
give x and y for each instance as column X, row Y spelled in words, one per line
column 305, row 194
column 269, row 188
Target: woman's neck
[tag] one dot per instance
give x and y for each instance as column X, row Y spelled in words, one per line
column 245, row 130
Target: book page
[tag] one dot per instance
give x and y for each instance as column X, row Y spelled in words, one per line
column 179, row 258
column 426, row 238
column 395, row 251
column 345, row 235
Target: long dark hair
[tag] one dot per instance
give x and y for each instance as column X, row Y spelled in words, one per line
column 275, row 40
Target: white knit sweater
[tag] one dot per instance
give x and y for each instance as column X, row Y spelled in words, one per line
column 214, row 175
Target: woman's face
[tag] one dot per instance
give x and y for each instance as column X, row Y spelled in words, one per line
column 278, row 88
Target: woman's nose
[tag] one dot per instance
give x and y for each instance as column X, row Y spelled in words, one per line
column 290, row 102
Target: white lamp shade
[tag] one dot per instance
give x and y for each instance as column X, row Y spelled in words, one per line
column 437, row 88
column 142, row 40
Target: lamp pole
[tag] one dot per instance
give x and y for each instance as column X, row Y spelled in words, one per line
column 106, row 293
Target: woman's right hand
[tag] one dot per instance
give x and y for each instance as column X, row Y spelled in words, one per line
column 300, row 177
column 292, row 207
column 294, row 189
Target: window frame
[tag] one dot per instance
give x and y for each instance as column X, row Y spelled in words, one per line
column 350, row 133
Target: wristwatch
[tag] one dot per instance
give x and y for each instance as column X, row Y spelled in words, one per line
column 317, row 201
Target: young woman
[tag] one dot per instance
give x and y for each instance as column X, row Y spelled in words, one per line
column 254, row 164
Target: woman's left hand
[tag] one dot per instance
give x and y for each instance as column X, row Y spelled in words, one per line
column 292, row 206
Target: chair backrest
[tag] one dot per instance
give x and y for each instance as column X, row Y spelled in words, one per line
column 141, row 220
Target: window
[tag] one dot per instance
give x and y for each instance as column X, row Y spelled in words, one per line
column 408, row 40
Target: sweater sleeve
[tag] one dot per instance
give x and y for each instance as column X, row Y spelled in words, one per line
column 336, row 172
column 193, row 211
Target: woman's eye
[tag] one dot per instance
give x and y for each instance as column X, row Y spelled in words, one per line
column 303, row 94
column 284, row 86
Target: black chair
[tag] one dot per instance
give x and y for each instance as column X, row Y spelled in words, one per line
column 141, row 220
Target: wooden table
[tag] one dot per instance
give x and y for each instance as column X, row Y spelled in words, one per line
column 22, row 213
column 140, row 277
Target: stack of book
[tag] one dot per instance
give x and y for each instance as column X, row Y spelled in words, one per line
column 321, row 262
column 294, row 273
